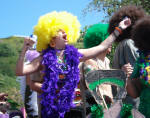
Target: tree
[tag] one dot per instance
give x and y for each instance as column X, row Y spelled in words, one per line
column 110, row 6
column 9, row 50
column 82, row 33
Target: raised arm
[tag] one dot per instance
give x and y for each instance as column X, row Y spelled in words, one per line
column 94, row 51
column 132, row 89
column 22, row 69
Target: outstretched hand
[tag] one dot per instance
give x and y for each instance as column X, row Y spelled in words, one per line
column 125, row 23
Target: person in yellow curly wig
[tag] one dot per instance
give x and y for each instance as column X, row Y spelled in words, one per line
column 57, row 66
column 50, row 24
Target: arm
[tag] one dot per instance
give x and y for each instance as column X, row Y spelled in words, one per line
column 22, row 69
column 133, row 86
column 30, row 68
column 93, row 52
column 36, row 86
column 132, row 89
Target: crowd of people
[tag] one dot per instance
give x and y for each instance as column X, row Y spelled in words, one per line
column 51, row 74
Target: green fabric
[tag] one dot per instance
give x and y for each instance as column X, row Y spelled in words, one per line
column 144, row 106
column 126, row 111
column 95, row 35
column 98, row 111
column 144, row 83
column 136, row 71
column 115, row 81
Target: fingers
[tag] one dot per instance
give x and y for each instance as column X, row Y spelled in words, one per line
column 28, row 43
column 128, row 69
column 127, row 66
column 125, row 23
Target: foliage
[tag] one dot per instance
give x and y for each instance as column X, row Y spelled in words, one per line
column 9, row 51
column 110, row 56
column 82, row 33
column 13, row 104
column 78, row 45
column 10, row 86
column 6, row 50
column 110, row 6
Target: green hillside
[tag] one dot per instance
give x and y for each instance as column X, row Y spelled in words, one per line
column 9, row 50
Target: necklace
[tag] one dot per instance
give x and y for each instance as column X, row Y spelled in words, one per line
column 145, row 66
column 58, row 93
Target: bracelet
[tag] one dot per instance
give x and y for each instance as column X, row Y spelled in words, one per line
column 119, row 29
column 116, row 33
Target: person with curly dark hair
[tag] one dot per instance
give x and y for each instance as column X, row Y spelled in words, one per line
column 126, row 53
column 140, row 35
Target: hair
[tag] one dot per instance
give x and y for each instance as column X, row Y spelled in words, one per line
column 132, row 12
column 95, row 35
column 141, row 34
column 49, row 25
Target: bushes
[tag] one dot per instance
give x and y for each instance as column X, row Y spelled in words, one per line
column 9, row 51
column 10, row 86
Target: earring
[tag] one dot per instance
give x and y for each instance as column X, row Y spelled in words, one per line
column 52, row 44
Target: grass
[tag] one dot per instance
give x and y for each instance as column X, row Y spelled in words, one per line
column 10, row 86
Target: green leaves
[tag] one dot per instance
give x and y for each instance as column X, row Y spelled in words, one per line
column 6, row 50
column 9, row 51
column 110, row 6
column 13, row 104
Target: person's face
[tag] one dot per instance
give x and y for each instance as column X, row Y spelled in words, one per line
column 61, row 40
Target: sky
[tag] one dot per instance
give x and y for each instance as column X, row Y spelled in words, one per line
column 18, row 17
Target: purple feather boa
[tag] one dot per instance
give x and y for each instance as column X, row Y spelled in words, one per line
column 58, row 94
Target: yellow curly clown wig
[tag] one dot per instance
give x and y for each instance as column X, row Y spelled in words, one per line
column 49, row 25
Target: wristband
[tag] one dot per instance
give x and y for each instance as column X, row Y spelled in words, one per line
column 116, row 33
column 119, row 29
